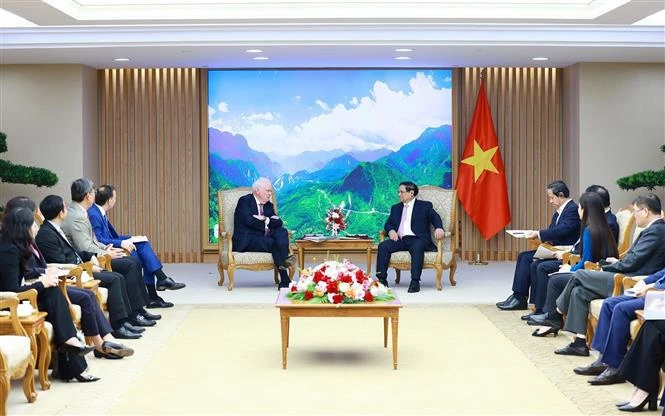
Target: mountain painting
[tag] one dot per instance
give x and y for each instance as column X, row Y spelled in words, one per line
column 329, row 137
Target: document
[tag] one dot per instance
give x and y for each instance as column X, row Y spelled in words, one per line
column 546, row 251
column 518, row 233
column 139, row 239
column 316, row 238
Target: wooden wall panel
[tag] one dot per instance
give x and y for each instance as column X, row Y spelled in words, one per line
column 526, row 106
column 150, row 149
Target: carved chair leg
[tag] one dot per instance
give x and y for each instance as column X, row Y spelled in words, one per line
column 398, row 276
column 29, row 382
column 4, row 390
column 44, row 359
column 439, row 272
column 231, row 273
column 220, row 269
column 451, row 276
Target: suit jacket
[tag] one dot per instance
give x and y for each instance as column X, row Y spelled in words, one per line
column 78, row 230
column 103, row 228
column 566, row 230
column 422, row 216
column 245, row 226
column 12, row 271
column 646, row 255
column 57, row 249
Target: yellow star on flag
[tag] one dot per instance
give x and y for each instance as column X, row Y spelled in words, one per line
column 481, row 160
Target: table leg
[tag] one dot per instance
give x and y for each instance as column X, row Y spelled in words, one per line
column 385, row 332
column 288, row 331
column 301, row 257
column 395, row 323
column 285, row 334
column 44, row 359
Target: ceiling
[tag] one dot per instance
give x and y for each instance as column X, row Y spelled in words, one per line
column 327, row 33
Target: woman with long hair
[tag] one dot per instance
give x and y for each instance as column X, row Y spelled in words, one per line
column 596, row 243
column 16, row 240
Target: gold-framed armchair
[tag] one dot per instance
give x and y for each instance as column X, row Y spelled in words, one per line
column 230, row 260
column 444, row 202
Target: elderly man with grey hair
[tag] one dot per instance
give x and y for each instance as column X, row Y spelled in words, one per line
column 258, row 228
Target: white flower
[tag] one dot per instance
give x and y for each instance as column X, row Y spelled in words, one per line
column 343, row 287
column 330, row 297
column 335, row 215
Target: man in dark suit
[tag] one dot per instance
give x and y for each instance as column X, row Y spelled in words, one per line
column 256, row 227
column 153, row 275
column 408, row 229
column 564, row 229
column 645, row 256
column 56, row 248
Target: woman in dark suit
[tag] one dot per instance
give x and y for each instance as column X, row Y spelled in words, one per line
column 16, row 239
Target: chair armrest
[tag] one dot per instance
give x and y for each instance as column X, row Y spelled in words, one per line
column 589, row 265
column 534, row 243
column 29, row 295
column 11, row 303
column 627, row 281
column 382, row 235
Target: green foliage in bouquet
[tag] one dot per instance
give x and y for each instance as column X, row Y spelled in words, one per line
column 12, row 173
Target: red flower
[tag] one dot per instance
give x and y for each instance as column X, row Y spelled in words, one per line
column 319, row 276
column 294, row 289
column 368, row 297
column 309, row 295
column 346, row 279
column 338, row 298
column 332, row 287
column 360, row 276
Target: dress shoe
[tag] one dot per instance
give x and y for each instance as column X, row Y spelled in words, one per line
column 593, row 369
column 110, row 347
column 383, row 282
column 158, row 302
column 571, row 349
column 607, row 377
column 168, row 283
column 537, row 319
column 75, row 349
column 151, row 316
column 81, row 378
column 124, row 333
column 651, row 399
column 528, row 316
column 508, row 299
column 132, row 328
column 515, row 304
column 140, row 320
column 108, row 356
column 414, row 286
column 545, row 333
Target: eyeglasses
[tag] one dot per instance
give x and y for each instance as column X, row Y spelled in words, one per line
column 635, row 211
column 403, row 192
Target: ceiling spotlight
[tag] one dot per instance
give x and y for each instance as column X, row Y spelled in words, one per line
column 402, row 58
column 121, row 59
column 403, row 50
column 540, row 58
column 254, row 50
column 260, row 58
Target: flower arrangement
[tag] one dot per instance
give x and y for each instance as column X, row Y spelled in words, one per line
column 335, row 282
column 336, row 219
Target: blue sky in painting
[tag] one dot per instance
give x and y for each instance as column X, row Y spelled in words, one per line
column 290, row 111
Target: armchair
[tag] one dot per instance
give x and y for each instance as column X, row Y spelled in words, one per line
column 230, row 260
column 444, row 258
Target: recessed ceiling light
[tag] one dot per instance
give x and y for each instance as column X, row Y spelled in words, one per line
column 121, row 59
column 402, row 58
column 254, row 50
column 403, row 50
column 260, row 58
column 540, row 58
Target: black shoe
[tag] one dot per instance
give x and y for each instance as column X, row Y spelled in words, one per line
column 140, row 320
column 515, row 304
column 383, row 282
column 414, row 286
column 537, row 319
column 549, row 330
column 108, row 356
column 508, row 299
column 74, row 349
column 572, row 349
column 124, row 333
column 607, row 377
column 594, row 369
column 168, row 283
column 132, row 328
column 651, row 399
column 528, row 316
column 88, row 378
column 151, row 316
column 110, row 347
column 158, row 302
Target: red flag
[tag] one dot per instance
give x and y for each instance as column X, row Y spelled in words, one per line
column 481, row 179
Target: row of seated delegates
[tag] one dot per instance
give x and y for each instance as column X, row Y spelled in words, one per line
column 153, row 276
column 408, row 229
column 540, row 270
column 597, row 243
column 78, row 230
column 563, row 230
column 645, row 256
column 56, row 248
column 16, row 243
column 93, row 321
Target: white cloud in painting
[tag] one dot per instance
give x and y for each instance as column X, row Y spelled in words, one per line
column 262, row 116
column 223, row 107
column 211, row 111
column 296, row 98
column 354, row 101
column 322, row 105
column 265, row 137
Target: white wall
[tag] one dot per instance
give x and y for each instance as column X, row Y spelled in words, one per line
column 615, row 125
column 49, row 113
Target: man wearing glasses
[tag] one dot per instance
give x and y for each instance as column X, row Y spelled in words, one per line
column 408, row 229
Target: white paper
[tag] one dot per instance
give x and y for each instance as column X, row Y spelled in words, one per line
column 518, row 233
column 139, row 239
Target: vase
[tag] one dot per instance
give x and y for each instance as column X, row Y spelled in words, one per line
column 333, row 233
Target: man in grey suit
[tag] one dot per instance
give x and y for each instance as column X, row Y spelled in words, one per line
column 646, row 256
column 78, row 229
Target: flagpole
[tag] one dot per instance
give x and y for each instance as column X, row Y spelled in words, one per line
column 478, row 261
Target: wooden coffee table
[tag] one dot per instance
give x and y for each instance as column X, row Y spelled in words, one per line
column 385, row 310
column 337, row 245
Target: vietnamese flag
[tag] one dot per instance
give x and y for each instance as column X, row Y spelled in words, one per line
column 481, row 180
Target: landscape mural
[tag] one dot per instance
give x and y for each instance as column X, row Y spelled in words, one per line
column 324, row 137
